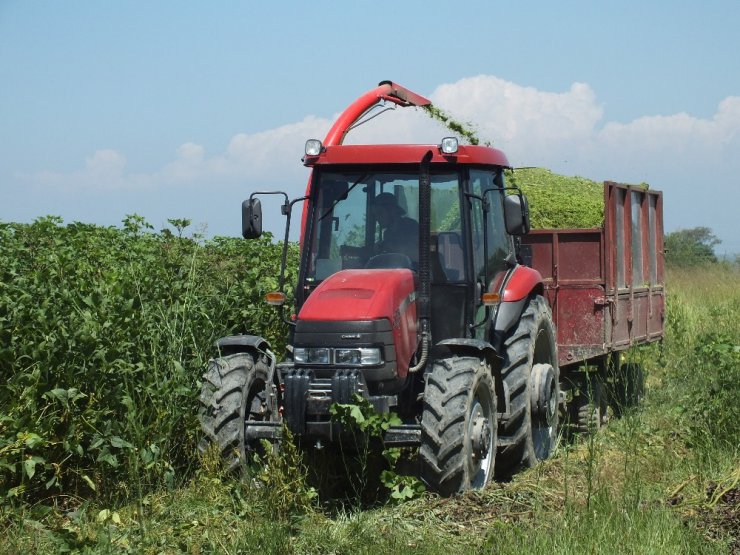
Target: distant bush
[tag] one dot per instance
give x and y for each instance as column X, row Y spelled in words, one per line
column 690, row 247
column 104, row 334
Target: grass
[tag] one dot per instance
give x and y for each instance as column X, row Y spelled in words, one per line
column 662, row 479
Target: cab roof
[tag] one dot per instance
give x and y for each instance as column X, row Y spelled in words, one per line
column 404, row 154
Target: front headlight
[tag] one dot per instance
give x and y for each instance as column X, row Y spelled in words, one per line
column 368, row 356
column 311, row 355
column 341, row 356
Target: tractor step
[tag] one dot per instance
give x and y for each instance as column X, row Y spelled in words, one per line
column 406, row 435
column 272, row 431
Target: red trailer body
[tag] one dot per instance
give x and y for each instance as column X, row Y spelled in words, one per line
column 605, row 285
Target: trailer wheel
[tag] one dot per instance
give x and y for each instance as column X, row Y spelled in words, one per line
column 588, row 407
column 238, row 390
column 458, row 426
column 529, row 432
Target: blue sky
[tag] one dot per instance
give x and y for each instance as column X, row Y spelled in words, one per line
column 180, row 109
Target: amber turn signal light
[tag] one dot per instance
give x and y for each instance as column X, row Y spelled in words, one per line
column 491, row 299
column 275, row 298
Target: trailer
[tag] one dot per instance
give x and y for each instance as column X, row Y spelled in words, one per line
column 606, row 290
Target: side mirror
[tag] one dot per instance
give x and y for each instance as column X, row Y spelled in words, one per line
column 516, row 214
column 251, row 218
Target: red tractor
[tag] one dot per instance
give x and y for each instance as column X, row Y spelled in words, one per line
column 417, row 291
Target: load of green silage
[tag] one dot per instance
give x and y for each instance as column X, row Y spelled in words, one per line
column 555, row 201
column 560, row 202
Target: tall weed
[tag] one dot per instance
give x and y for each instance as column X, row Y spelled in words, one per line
column 703, row 352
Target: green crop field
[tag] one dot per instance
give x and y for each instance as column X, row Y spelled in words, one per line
column 104, row 335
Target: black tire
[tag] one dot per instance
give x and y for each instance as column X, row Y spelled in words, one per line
column 237, row 389
column 524, row 437
column 458, row 426
column 588, row 408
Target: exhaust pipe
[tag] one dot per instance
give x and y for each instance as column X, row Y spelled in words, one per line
column 425, row 274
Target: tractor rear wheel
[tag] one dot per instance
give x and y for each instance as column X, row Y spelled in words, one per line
column 238, row 390
column 530, row 373
column 458, row 426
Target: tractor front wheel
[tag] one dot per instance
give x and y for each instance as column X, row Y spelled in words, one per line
column 458, row 426
column 238, row 392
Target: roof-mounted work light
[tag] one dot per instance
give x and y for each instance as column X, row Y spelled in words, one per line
column 449, row 145
column 313, row 147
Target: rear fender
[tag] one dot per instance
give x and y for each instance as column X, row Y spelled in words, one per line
column 523, row 283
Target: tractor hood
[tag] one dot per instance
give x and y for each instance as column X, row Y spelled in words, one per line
column 336, row 312
column 362, row 295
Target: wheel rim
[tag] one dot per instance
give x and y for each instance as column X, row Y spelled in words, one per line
column 481, row 434
column 544, row 417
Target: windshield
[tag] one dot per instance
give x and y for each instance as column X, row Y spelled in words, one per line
column 369, row 219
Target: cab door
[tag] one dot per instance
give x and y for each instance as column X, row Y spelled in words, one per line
column 491, row 246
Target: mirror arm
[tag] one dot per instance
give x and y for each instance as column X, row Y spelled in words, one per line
column 286, row 209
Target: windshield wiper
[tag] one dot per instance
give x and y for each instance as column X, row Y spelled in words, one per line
column 344, row 196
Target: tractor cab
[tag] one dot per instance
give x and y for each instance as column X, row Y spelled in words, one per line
column 367, row 216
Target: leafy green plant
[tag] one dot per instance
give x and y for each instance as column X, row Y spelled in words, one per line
column 712, row 407
column 104, row 333
column 282, row 479
column 361, row 416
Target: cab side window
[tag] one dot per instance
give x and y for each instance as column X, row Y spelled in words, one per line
column 484, row 182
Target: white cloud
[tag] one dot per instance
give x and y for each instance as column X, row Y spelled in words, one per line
column 564, row 131
column 511, row 115
column 104, row 169
column 264, row 155
column 105, row 164
column 682, row 135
